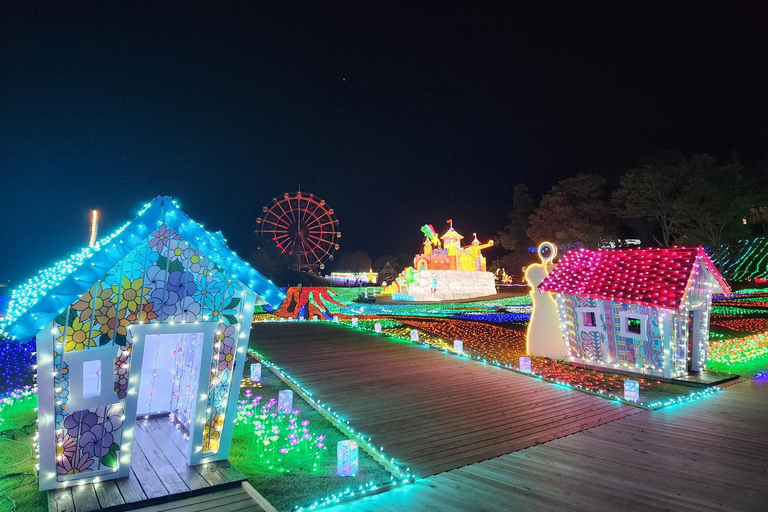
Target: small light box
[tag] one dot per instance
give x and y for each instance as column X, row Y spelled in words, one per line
column 256, row 372
column 354, row 322
column 632, row 390
column 314, row 318
column 335, row 319
column 525, row 364
column 346, row 458
column 414, row 335
column 377, row 328
column 458, row 346
column 285, row 401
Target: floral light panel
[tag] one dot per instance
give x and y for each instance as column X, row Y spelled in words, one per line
column 346, row 458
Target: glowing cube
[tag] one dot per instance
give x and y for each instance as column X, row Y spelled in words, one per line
column 354, row 322
column 335, row 319
column 458, row 346
column 314, row 318
column 525, row 364
column 256, row 372
column 290, row 319
column 285, row 401
column 377, row 327
column 346, row 458
column 632, row 390
column 414, row 335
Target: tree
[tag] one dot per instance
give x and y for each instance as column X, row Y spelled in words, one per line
column 357, row 261
column 270, row 262
column 693, row 200
column 716, row 203
column 655, row 191
column 399, row 261
column 514, row 236
column 573, row 211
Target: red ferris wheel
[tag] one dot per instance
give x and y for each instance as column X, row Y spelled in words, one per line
column 302, row 226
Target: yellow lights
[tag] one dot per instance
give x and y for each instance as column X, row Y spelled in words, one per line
column 94, row 227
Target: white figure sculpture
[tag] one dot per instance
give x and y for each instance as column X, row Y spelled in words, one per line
column 544, row 337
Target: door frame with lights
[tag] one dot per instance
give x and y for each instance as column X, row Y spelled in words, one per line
column 137, row 333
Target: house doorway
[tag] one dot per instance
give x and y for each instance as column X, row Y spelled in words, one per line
column 170, row 371
column 168, row 388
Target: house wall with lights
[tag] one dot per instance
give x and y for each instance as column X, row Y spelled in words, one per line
column 639, row 310
column 152, row 320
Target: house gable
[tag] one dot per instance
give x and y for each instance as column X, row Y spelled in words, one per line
column 47, row 295
column 658, row 277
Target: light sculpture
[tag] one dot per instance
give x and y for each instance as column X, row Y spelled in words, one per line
column 346, row 458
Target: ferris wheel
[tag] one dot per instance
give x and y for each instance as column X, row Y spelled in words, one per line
column 302, row 226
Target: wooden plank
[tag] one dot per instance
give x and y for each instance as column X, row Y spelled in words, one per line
column 230, row 472
column 130, row 489
column 217, row 500
column 387, row 391
column 108, row 494
column 62, row 498
column 145, row 475
column 160, row 464
column 265, row 505
column 85, row 498
column 176, row 458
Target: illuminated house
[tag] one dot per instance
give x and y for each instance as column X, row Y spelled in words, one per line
column 639, row 310
column 153, row 320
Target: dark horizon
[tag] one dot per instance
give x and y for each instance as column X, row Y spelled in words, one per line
column 396, row 114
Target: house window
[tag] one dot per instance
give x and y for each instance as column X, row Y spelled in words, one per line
column 634, row 325
column 91, row 378
column 589, row 319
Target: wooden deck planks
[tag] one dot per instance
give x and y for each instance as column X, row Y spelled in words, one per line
column 708, row 455
column 159, row 472
column 432, row 411
column 228, row 500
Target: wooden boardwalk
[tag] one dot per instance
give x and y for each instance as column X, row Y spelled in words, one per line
column 431, row 411
column 708, row 455
column 159, row 473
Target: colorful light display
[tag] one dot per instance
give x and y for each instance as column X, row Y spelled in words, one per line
column 399, row 476
column 285, row 401
column 255, row 372
column 302, row 226
column 632, row 390
column 639, row 310
column 655, row 276
column 346, row 458
column 94, row 227
column 739, row 350
column 745, row 260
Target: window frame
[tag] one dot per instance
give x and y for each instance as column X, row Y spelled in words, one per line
column 623, row 331
column 599, row 325
column 75, row 361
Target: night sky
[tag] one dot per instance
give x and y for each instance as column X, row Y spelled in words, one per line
column 397, row 114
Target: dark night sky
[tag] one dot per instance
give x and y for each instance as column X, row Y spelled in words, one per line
column 397, row 114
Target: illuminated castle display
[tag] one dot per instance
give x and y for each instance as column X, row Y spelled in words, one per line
column 445, row 270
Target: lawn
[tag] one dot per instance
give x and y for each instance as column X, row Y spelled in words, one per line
column 18, row 476
column 291, row 458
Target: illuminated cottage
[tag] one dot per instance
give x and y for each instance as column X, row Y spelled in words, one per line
column 639, row 310
column 153, row 320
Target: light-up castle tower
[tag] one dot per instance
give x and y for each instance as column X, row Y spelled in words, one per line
column 445, row 270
